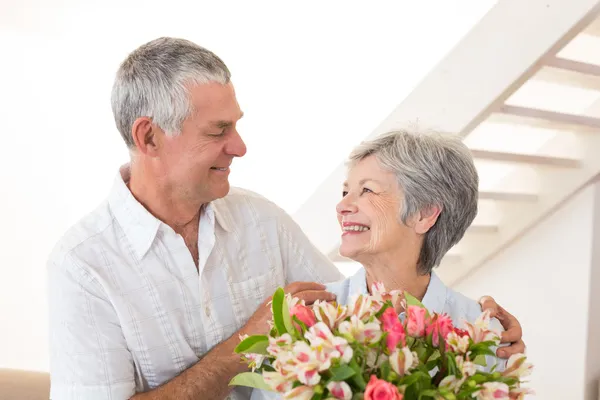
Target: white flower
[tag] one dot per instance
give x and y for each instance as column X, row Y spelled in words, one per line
column 363, row 307
column 321, row 339
column 519, row 393
column 299, row 393
column 493, row 391
column 277, row 381
column 308, row 362
column 340, row 390
column 375, row 358
column 452, row 383
column 458, row 344
column 403, row 360
column 279, row 344
column 329, row 313
column 467, row 368
column 379, row 293
column 357, row 330
column 479, row 330
column 517, row 366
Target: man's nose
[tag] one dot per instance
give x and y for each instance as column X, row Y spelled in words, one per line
column 235, row 146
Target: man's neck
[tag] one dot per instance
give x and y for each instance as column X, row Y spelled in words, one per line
column 397, row 271
column 160, row 201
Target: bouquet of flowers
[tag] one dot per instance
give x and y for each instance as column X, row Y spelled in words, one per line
column 365, row 351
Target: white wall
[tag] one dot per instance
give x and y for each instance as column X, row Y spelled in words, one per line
column 544, row 280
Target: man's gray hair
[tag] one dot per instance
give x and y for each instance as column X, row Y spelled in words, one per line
column 154, row 80
column 432, row 170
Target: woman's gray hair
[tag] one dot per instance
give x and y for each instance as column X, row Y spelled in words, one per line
column 432, row 170
column 154, row 80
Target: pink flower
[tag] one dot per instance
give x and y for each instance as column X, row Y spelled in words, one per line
column 378, row 389
column 416, row 321
column 304, row 314
column 440, row 325
column 394, row 329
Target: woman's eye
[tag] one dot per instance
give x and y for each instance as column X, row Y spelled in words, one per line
column 367, row 190
column 344, row 193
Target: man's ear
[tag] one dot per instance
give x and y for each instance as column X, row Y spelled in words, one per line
column 427, row 218
column 145, row 136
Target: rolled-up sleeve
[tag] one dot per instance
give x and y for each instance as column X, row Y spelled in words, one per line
column 89, row 358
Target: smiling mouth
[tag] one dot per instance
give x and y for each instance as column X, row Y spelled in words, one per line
column 219, row 169
column 355, row 228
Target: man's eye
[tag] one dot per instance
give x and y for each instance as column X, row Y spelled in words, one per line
column 344, row 193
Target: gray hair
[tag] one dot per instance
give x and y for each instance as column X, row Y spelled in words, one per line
column 153, row 82
column 432, row 170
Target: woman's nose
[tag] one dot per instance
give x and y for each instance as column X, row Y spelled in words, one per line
column 346, row 206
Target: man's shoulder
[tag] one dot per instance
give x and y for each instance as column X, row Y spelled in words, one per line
column 86, row 232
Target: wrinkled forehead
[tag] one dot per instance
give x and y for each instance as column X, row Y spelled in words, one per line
column 369, row 169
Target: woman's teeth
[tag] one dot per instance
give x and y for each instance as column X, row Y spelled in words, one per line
column 219, row 169
column 356, row 228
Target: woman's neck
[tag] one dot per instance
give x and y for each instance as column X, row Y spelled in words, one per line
column 397, row 273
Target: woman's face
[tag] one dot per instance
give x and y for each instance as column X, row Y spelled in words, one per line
column 369, row 212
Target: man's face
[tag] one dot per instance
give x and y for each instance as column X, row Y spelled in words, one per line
column 196, row 162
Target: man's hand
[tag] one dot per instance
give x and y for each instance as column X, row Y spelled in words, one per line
column 307, row 291
column 513, row 332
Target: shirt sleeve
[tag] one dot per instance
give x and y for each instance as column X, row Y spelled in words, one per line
column 89, row 358
column 302, row 260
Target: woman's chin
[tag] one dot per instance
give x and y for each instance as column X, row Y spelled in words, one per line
column 347, row 252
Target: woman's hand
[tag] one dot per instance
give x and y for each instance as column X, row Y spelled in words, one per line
column 513, row 332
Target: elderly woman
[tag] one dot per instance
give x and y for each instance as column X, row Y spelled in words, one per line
column 407, row 200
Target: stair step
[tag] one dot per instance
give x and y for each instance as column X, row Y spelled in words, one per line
column 570, row 73
column 550, row 119
column 537, row 159
column 499, row 195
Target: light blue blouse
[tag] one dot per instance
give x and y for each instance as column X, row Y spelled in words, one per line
column 438, row 298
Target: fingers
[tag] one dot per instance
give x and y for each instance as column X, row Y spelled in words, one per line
column 488, row 303
column 310, row 296
column 515, row 348
column 296, row 287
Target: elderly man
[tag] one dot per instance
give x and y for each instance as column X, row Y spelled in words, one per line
column 150, row 292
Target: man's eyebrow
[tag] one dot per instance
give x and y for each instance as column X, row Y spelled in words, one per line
column 222, row 124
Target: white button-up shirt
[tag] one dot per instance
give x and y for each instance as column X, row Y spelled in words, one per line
column 129, row 310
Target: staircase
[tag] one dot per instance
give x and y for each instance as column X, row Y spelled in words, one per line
column 525, row 98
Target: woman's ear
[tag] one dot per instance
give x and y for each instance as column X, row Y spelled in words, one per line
column 145, row 136
column 427, row 218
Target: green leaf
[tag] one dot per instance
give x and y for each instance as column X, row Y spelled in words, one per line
column 341, row 373
column 428, row 393
column 357, row 378
column 480, row 360
column 277, row 307
column 256, row 344
column 358, row 396
column 386, row 368
column 250, row 379
column 413, row 301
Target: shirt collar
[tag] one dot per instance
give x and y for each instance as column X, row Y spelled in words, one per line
column 434, row 299
column 139, row 225
column 222, row 214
